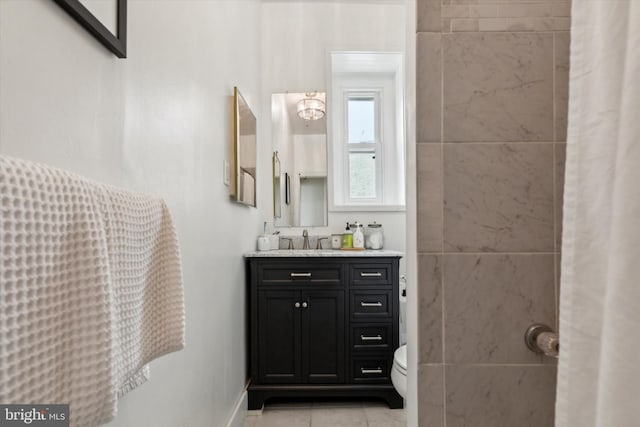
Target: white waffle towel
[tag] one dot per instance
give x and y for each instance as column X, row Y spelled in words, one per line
column 90, row 290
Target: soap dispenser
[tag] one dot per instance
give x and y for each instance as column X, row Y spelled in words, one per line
column 358, row 237
column 347, row 238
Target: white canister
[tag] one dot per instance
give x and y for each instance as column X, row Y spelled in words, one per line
column 374, row 236
column 274, row 241
column 336, row 241
column 263, row 243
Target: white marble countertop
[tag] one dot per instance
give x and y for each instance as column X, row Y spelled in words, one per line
column 326, row 253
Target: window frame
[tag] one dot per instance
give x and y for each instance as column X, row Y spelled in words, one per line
column 362, row 71
column 376, row 93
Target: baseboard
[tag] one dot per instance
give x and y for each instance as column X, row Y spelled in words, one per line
column 240, row 411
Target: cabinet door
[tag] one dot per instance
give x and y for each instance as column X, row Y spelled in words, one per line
column 323, row 336
column 279, row 346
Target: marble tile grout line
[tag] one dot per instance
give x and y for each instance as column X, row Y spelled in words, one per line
column 484, row 253
column 441, row 258
column 555, row 189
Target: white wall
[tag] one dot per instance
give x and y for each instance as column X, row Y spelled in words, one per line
column 297, row 37
column 155, row 122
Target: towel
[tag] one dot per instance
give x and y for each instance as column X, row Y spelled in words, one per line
column 90, row 290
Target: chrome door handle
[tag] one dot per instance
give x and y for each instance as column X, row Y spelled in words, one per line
column 371, row 274
column 297, row 305
column 370, row 304
column 300, row 274
column 371, row 371
column 305, row 305
column 366, row 338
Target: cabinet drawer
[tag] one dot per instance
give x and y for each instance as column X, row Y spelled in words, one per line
column 285, row 274
column 376, row 337
column 371, row 304
column 371, row 371
column 371, row 274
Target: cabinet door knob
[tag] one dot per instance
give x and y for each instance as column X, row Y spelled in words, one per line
column 305, row 305
column 297, row 305
column 370, row 304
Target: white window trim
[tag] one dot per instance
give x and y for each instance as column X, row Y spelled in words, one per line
column 354, row 70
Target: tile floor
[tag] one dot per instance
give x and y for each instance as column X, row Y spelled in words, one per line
column 328, row 414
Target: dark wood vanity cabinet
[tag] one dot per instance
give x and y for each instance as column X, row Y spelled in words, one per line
column 301, row 336
column 322, row 327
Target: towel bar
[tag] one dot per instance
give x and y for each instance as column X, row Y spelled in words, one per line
column 541, row 339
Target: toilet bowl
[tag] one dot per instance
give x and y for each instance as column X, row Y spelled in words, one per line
column 399, row 370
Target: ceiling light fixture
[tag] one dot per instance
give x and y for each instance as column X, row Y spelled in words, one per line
column 310, row 107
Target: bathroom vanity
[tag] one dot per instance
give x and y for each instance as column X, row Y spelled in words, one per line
column 322, row 324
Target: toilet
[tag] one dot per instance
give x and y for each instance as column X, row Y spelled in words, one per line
column 399, row 370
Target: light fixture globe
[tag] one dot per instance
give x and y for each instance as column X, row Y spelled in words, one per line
column 310, row 108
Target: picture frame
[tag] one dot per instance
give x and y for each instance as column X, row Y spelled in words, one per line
column 287, row 188
column 116, row 43
column 245, row 143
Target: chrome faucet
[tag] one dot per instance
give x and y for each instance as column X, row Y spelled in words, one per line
column 319, row 244
column 305, row 244
column 290, row 246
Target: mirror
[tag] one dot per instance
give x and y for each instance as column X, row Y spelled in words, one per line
column 245, row 151
column 301, row 147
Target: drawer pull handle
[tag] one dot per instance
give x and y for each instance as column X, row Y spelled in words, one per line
column 370, row 304
column 305, row 305
column 378, row 274
column 297, row 305
column 300, row 274
column 371, row 371
column 366, row 338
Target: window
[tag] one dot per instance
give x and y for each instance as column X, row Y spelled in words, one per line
column 366, row 143
column 362, row 146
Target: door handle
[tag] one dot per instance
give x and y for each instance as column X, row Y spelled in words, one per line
column 296, row 305
column 371, row 371
column 371, row 274
column 300, row 274
column 367, row 338
column 370, row 304
column 305, row 305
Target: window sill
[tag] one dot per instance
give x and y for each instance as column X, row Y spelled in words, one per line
column 368, row 208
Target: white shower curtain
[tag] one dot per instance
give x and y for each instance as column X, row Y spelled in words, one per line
column 599, row 370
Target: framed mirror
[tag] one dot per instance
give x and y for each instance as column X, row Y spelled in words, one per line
column 106, row 20
column 299, row 134
column 245, row 147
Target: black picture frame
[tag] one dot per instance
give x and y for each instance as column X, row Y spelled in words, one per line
column 116, row 43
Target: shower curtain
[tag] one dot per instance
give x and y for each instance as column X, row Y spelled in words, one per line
column 599, row 369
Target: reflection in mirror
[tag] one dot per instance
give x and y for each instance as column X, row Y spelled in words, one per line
column 300, row 137
column 245, row 151
column 277, row 197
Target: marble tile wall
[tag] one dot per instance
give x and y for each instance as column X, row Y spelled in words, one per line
column 505, row 15
column 492, row 90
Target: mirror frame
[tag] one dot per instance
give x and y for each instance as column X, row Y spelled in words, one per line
column 116, row 43
column 238, row 103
